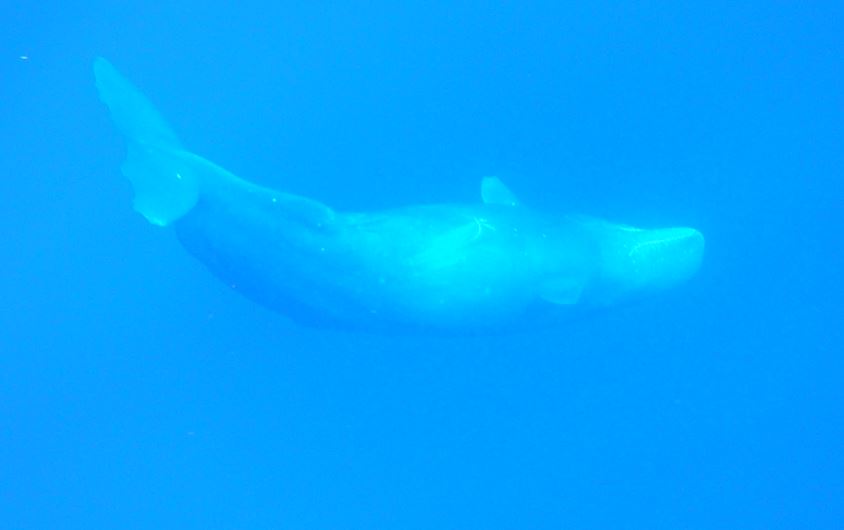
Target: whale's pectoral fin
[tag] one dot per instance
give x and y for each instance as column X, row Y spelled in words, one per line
column 562, row 291
column 493, row 191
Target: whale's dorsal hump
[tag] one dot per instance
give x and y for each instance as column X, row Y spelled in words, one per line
column 493, row 191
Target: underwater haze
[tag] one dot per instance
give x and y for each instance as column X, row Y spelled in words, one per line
column 139, row 392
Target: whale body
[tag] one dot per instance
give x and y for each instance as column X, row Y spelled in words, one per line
column 493, row 265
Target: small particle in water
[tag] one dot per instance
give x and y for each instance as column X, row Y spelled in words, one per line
column 23, row 57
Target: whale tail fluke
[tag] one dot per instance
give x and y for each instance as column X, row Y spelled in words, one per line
column 165, row 178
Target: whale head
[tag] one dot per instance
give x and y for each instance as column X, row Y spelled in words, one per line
column 628, row 262
column 633, row 261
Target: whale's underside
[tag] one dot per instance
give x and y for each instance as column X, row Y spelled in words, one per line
column 491, row 265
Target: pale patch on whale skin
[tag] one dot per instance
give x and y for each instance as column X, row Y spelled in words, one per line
column 484, row 266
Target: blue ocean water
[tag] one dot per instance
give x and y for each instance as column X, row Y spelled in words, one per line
column 136, row 391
